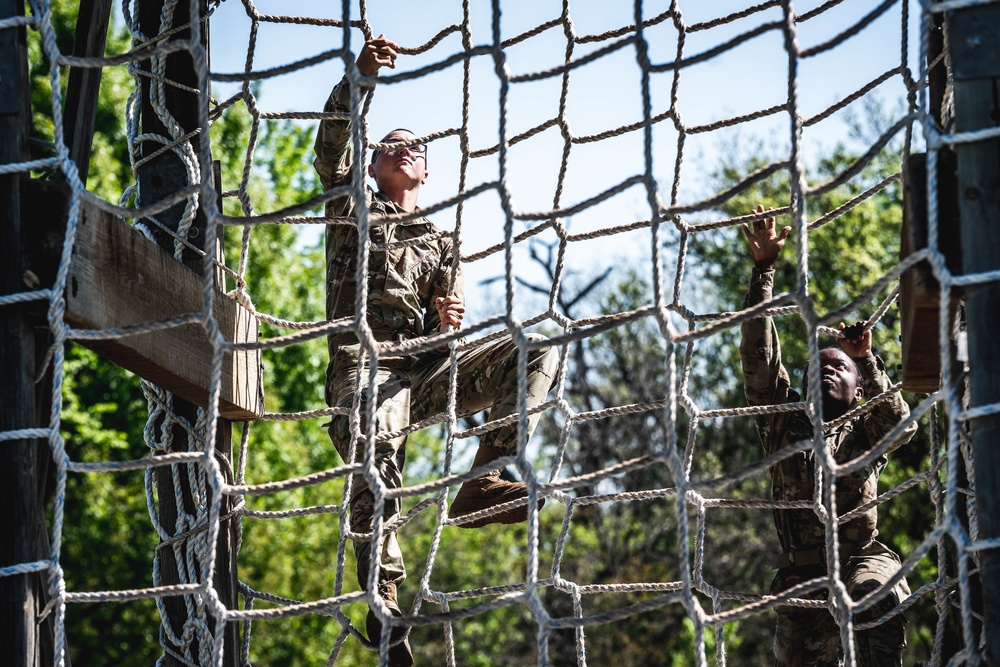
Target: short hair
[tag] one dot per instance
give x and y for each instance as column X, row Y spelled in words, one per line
column 398, row 129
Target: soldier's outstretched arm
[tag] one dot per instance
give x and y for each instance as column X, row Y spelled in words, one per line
column 765, row 378
column 334, row 152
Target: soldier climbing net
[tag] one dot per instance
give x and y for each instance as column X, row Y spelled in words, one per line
column 192, row 458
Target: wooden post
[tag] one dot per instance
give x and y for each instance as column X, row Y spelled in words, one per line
column 231, row 530
column 159, row 178
column 920, row 291
column 85, row 82
column 974, row 38
column 163, row 175
column 22, row 462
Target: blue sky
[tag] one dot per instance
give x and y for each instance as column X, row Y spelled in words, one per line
column 604, row 94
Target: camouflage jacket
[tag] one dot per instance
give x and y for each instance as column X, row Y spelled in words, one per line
column 409, row 263
column 767, row 383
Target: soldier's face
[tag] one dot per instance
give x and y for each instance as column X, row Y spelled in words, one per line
column 404, row 167
column 839, row 382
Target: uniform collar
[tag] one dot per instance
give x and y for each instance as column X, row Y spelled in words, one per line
column 840, row 429
column 391, row 207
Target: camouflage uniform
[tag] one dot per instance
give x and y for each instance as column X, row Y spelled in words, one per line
column 811, row 636
column 403, row 282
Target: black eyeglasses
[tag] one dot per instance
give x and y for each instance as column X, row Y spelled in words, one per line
column 419, row 150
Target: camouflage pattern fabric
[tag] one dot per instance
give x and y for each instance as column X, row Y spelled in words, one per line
column 806, row 637
column 413, row 389
column 409, row 266
column 811, row 637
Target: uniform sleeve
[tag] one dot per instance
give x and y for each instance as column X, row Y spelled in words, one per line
column 766, row 381
column 443, row 286
column 884, row 416
column 334, row 158
column 334, row 150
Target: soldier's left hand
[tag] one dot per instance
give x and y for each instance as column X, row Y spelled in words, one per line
column 857, row 341
column 451, row 310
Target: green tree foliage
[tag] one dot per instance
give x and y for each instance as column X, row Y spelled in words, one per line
column 638, row 541
column 845, row 257
column 109, row 173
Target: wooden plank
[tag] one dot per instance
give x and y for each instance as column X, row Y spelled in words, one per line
column 120, row 278
column 85, row 82
column 919, row 290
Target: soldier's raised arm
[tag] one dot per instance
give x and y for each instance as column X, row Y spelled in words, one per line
column 334, row 152
column 765, row 379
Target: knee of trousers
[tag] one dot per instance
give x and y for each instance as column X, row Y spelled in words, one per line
column 545, row 359
column 362, row 510
column 392, row 415
column 888, row 635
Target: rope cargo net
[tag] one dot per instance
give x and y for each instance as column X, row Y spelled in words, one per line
column 193, row 539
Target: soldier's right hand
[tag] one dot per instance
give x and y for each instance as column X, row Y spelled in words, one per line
column 451, row 310
column 376, row 53
column 765, row 245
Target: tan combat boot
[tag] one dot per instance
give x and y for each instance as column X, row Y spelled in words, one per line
column 400, row 654
column 489, row 491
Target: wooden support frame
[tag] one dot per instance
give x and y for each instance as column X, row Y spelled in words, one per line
column 920, row 293
column 974, row 41
column 161, row 177
column 84, row 84
column 24, row 463
column 119, row 278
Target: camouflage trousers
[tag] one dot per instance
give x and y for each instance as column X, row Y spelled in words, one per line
column 411, row 389
column 811, row 637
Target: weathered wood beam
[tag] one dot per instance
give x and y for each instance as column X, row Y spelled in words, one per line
column 84, row 83
column 120, row 278
column 919, row 290
column 23, row 462
column 160, row 177
column 974, row 41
